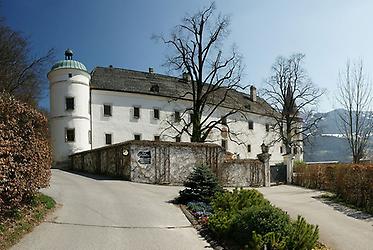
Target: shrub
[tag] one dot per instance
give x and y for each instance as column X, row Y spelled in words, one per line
column 350, row 182
column 247, row 219
column 201, row 185
column 25, row 156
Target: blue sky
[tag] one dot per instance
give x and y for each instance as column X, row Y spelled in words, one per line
column 119, row 33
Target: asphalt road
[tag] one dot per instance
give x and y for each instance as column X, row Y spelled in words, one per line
column 340, row 228
column 112, row 214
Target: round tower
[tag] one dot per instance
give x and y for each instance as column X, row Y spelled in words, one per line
column 69, row 108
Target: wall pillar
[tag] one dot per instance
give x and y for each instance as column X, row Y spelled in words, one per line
column 289, row 162
column 264, row 158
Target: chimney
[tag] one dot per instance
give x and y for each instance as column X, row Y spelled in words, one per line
column 186, row 77
column 253, row 93
column 151, row 70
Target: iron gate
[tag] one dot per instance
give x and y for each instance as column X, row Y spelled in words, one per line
column 278, row 173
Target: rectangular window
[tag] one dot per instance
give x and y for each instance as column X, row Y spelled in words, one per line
column 249, row 148
column 178, row 139
column 267, row 127
column 107, row 110
column 70, row 135
column 70, row 75
column 295, row 150
column 156, row 113
column 157, row 138
column 69, row 103
column 281, row 149
column 89, row 137
column 224, row 120
column 251, row 125
column 177, row 116
column 137, row 137
column 136, row 112
column 108, row 139
column 224, row 144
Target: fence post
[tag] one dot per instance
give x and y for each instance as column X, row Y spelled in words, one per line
column 264, row 158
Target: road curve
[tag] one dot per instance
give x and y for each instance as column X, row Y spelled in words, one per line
column 99, row 213
column 340, row 228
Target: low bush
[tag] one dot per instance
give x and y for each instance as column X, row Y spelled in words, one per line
column 352, row 183
column 25, row 155
column 247, row 219
column 201, row 185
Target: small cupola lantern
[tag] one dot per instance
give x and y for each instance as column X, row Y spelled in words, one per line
column 68, row 54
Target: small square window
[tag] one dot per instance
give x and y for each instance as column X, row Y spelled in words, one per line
column 136, row 112
column 249, row 148
column 107, row 110
column 108, row 139
column 70, row 75
column 177, row 116
column 137, row 137
column 156, row 113
column 178, row 139
column 224, row 144
column 70, row 135
column 251, row 125
column 224, row 120
column 69, row 103
column 267, row 127
column 157, row 138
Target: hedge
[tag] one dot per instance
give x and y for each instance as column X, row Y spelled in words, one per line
column 25, row 155
column 351, row 182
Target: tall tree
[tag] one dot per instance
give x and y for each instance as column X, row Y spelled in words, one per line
column 293, row 97
column 356, row 118
column 21, row 75
column 212, row 76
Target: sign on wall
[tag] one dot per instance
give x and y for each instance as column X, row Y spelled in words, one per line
column 144, row 157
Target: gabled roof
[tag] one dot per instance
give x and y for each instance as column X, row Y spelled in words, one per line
column 124, row 80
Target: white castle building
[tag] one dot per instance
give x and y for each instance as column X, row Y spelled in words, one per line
column 112, row 105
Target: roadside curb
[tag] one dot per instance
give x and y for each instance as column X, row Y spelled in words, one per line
column 202, row 231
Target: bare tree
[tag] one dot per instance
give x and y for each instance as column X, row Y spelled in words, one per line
column 20, row 74
column 293, row 98
column 356, row 118
column 212, row 76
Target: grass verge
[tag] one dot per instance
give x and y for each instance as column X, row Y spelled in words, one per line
column 21, row 221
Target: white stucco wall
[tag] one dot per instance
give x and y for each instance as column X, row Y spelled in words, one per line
column 62, row 86
column 123, row 126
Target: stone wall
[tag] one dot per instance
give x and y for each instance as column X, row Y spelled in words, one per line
column 166, row 163
column 245, row 172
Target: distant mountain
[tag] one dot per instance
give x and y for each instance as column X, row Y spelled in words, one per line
column 328, row 144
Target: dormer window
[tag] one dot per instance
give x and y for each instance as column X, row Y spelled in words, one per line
column 154, row 88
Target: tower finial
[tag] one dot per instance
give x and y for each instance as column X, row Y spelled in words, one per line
column 68, row 54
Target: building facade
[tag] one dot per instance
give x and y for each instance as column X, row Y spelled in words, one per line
column 112, row 105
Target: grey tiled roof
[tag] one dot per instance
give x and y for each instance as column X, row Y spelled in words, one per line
column 124, row 80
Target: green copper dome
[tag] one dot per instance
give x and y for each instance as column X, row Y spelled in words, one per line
column 69, row 64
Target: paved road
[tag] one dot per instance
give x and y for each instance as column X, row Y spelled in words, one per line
column 112, row 214
column 338, row 230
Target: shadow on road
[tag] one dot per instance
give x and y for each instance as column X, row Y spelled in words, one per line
column 351, row 212
column 93, row 176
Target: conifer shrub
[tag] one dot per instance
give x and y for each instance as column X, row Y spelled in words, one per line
column 201, row 185
column 25, row 155
column 247, row 219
